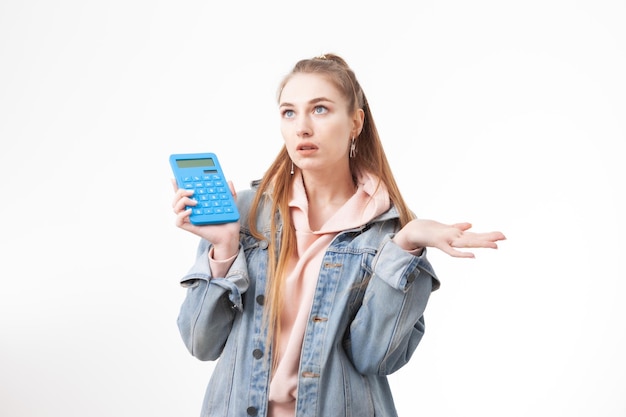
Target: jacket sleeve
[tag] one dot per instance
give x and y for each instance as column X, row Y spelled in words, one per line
column 211, row 304
column 390, row 322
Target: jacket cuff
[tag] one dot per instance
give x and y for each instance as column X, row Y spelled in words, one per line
column 399, row 268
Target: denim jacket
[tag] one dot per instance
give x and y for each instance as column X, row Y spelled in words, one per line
column 366, row 321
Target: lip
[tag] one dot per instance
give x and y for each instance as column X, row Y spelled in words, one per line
column 306, row 148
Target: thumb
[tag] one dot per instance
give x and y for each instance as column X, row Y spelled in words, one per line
column 462, row 226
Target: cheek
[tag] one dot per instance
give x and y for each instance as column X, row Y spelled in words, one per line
column 342, row 135
column 288, row 138
column 285, row 131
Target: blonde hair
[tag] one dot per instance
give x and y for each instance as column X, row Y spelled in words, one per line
column 276, row 182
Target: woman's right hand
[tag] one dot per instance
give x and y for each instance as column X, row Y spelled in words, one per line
column 224, row 237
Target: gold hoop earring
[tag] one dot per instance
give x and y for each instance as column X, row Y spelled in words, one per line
column 352, row 148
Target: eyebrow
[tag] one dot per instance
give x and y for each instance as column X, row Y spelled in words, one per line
column 312, row 101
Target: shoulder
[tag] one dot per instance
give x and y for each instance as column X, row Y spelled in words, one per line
column 391, row 215
column 246, row 198
column 387, row 223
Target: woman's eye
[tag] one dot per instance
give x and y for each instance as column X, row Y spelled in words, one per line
column 288, row 114
column 320, row 110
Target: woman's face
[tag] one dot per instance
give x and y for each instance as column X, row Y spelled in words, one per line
column 315, row 123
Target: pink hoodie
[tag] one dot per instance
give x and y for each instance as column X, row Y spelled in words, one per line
column 366, row 203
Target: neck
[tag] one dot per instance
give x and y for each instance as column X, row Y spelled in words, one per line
column 329, row 190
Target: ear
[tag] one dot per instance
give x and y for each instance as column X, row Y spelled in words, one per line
column 357, row 122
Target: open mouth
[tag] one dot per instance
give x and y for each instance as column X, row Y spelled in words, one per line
column 306, row 147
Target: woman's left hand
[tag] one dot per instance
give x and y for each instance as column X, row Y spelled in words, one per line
column 421, row 233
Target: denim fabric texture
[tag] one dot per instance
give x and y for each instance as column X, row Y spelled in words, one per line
column 365, row 322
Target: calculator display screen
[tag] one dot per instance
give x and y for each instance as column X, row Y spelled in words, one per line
column 195, row 163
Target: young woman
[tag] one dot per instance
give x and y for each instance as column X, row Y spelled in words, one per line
column 318, row 292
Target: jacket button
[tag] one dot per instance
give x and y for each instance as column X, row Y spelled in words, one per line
column 412, row 277
column 252, row 411
column 260, row 299
column 257, row 353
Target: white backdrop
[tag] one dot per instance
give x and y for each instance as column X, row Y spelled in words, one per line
column 510, row 115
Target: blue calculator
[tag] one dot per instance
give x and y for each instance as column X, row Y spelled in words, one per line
column 202, row 173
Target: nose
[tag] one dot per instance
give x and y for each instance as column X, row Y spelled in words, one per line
column 303, row 127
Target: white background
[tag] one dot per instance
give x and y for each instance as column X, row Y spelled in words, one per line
column 511, row 115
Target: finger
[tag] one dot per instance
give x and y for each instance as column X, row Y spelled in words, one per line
column 182, row 218
column 487, row 240
column 183, row 204
column 485, row 244
column 492, row 236
column 174, row 184
column 462, row 226
column 475, row 243
column 181, row 193
column 233, row 191
column 466, row 255
column 457, row 253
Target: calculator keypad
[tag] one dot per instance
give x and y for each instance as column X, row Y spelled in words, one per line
column 212, row 194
